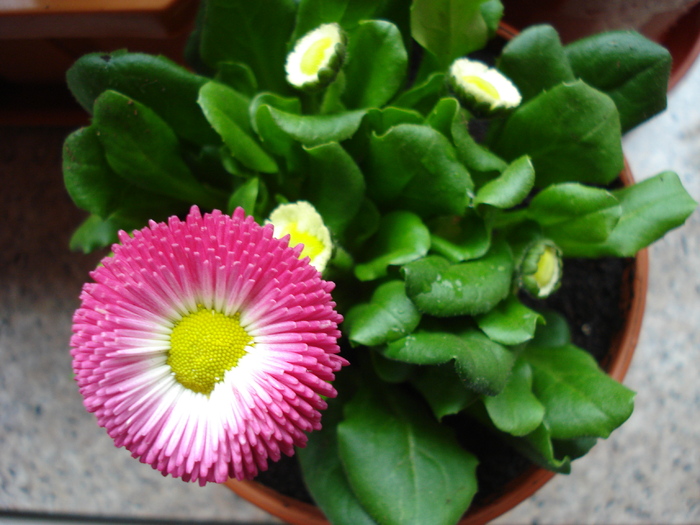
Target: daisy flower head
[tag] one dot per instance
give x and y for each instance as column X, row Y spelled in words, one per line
column 304, row 226
column 482, row 89
column 316, row 58
column 205, row 345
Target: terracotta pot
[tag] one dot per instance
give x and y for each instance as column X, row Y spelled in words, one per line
column 675, row 24
column 616, row 363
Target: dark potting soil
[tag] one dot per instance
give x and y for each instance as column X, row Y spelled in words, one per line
column 590, row 298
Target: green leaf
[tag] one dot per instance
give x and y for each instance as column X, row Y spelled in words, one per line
column 95, row 187
column 443, row 389
column 537, row 447
column 535, row 61
column 415, row 168
column 423, row 93
column 347, row 13
column 271, row 134
column 227, row 112
column 141, row 148
column 571, row 132
column 165, row 87
column 492, row 12
column 376, row 66
column 389, row 315
column 448, row 29
column 90, row 181
column 382, row 120
column 324, row 475
column 335, row 185
column 391, row 371
column 511, row 187
column 312, row 130
column 553, row 332
column 473, row 155
column 94, row 233
column 630, row 68
column 516, row 410
column 579, row 398
column 245, row 196
column 390, row 445
column 510, row 322
column 460, row 238
column 482, row 364
column 238, row 76
column 253, row 33
column 572, row 214
column 402, row 237
column 469, row 288
column 649, row 209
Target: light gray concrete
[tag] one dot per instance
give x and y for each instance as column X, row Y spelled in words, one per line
column 54, row 458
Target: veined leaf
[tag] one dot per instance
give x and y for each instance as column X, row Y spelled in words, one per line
column 227, row 112
column 402, row 237
column 516, row 410
column 535, row 61
column 390, row 444
column 571, row 133
column 165, row 87
column 448, row 29
column 629, row 67
column 389, row 315
column 376, row 66
column 443, row 289
column 649, row 209
column 579, row 398
column 482, row 364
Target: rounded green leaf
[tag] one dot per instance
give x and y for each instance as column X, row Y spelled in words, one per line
column 376, row 66
column 404, row 467
column 571, row 133
column 142, row 149
column 535, row 61
column 167, row 88
column 511, row 187
column 510, row 322
column 579, row 398
column 389, row 315
column 516, row 410
column 415, row 167
column 402, row 237
column 469, row 288
column 227, row 112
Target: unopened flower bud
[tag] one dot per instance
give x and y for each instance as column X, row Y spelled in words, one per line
column 316, row 58
column 541, row 269
column 304, row 225
column 481, row 89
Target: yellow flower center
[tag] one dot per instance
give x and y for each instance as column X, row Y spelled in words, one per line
column 482, row 85
column 204, row 345
column 313, row 246
column 547, row 267
column 313, row 57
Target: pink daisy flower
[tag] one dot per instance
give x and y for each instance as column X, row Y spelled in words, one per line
column 205, row 346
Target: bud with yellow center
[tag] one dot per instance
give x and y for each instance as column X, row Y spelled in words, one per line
column 304, row 225
column 316, row 58
column 541, row 269
column 482, row 89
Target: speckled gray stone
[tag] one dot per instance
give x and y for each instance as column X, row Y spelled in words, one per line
column 648, row 471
